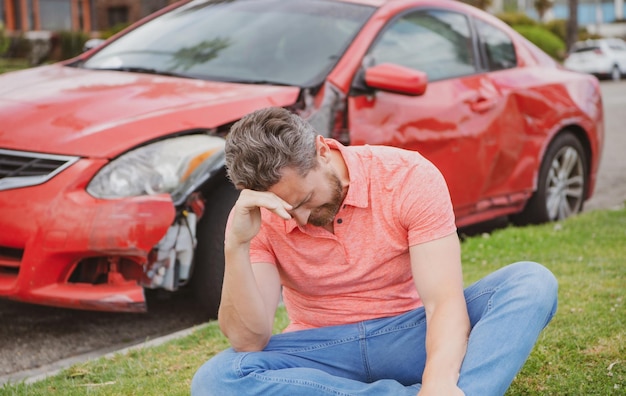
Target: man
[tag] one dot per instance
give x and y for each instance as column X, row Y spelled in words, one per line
column 362, row 242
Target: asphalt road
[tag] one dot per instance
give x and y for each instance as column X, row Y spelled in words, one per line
column 611, row 187
column 34, row 336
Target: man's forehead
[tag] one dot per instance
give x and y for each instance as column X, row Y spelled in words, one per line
column 293, row 187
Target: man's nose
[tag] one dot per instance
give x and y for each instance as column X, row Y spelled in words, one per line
column 301, row 216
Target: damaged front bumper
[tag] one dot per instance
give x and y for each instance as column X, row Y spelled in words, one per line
column 68, row 249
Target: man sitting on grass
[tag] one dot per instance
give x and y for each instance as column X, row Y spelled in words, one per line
column 362, row 243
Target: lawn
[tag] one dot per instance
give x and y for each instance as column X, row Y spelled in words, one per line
column 9, row 64
column 582, row 352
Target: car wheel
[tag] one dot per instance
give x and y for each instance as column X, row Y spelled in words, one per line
column 616, row 74
column 208, row 272
column 562, row 183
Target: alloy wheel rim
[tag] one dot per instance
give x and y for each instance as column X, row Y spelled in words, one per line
column 565, row 184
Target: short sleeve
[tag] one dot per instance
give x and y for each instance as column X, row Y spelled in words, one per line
column 426, row 208
column 260, row 249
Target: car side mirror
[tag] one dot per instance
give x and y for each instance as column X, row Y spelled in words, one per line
column 395, row 78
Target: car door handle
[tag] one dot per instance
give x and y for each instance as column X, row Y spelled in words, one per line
column 478, row 102
column 481, row 104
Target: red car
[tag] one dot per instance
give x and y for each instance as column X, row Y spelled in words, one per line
column 111, row 164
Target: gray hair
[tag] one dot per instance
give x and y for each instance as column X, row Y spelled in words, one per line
column 263, row 143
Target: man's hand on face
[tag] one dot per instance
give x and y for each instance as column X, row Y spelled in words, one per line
column 246, row 220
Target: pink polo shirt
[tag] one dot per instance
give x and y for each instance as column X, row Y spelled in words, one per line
column 396, row 199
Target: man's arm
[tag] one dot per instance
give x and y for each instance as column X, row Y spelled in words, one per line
column 250, row 294
column 436, row 267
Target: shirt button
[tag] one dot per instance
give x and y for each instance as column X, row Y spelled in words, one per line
column 339, row 221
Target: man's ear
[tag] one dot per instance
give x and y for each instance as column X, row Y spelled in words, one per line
column 323, row 151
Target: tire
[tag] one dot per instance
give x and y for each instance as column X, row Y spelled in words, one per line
column 208, row 272
column 562, row 183
column 616, row 74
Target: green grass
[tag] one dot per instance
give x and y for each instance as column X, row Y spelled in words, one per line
column 582, row 352
column 9, row 64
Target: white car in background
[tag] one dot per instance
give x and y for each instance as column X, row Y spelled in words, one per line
column 601, row 57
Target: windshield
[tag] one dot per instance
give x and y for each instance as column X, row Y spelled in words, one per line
column 295, row 42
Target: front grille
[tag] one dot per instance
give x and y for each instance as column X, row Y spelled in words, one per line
column 10, row 260
column 22, row 169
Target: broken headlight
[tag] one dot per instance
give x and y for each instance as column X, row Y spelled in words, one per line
column 168, row 166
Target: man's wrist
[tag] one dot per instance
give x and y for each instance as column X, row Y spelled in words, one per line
column 440, row 376
column 233, row 246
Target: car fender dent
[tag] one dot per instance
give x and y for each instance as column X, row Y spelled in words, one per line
column 325, row 112
column 546, row 118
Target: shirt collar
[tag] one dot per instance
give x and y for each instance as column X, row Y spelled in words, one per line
column 358, row 190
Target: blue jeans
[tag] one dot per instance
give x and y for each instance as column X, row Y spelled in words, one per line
column 508, row 309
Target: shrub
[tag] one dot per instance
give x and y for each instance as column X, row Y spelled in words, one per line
column 583, row 34
column 558, row 27
column 113, row 30
column 20, row 47
column 71, row 43
column 5, row 41
column 517, row 19
column 544, row 39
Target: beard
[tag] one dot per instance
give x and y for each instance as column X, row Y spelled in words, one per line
column 325, row 214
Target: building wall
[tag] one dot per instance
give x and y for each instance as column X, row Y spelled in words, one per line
column 112, row 12
column 46, row 15
column 590, row 12
column 58, row 15
column 150, row 6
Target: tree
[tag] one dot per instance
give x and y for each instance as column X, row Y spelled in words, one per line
column 572, row 23
column 5, row 41
column 482, row 4
column 542, row 6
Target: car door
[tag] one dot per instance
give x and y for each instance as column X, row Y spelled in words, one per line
column 521, row 98
column 456, row 123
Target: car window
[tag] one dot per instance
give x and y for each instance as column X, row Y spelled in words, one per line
column 499, row 49
column 586, row 49
column 617, row 47
column 436, row 42
column 261, row 41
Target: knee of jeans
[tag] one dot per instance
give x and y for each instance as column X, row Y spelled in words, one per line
column 213, row 376
column 540, row 284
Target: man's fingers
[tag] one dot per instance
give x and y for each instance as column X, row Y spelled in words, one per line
column 281, row 209
column 251, row 200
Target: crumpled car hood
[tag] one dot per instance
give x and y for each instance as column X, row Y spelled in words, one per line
column 64, row 110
